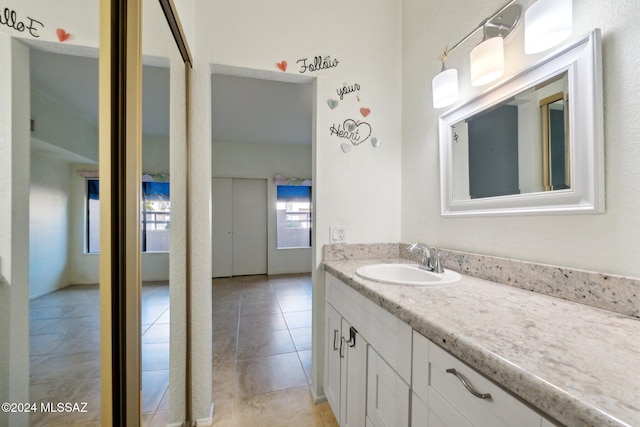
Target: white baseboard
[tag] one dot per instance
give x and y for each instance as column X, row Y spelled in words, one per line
column 208, row 421
column 200, row 422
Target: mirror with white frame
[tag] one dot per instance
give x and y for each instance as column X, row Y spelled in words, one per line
column 533, row 144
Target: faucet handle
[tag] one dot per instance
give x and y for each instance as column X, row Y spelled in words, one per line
column 435, row 256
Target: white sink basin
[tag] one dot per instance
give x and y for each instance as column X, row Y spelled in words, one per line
column 406, row 274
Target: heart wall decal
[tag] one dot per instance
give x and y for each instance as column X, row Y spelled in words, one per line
column 282, row 65
column 332, row 103
column 365, row 111
column 63, row 36
column 359, row 131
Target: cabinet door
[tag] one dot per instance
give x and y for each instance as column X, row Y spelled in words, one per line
column 387, row 394
column 354, row 378
column 333, row 338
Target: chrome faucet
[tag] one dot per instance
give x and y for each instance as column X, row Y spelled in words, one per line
column 430, row 259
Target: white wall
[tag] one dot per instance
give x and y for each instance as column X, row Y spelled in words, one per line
column 606, row 243
column 14, row 228
column 49, row 209
column 232, row 160
column 360, row 189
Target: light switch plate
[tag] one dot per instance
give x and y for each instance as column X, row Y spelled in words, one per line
column 338, row 234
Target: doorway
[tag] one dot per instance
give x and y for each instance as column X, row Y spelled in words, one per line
column 239, row 238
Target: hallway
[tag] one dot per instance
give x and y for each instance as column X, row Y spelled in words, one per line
column 262, row 353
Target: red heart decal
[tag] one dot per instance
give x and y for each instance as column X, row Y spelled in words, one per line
column 62, row 35
column 282, row 65
column 365, row 111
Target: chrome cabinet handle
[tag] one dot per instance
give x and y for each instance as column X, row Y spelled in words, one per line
column 335, row 338
column 468, row 385
column 342, row 343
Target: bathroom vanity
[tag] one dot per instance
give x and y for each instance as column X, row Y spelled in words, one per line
column 473, row 353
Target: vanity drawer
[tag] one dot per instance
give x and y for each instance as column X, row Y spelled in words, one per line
column 501, row 409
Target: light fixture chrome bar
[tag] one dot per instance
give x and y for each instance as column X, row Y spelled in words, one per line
column 482, row 25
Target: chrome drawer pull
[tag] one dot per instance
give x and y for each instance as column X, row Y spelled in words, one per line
column 468, row 385
column 335, row 338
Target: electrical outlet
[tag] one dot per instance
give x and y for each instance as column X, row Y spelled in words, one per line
column 338, row 234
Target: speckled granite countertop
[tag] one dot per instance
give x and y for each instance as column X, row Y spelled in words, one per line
column 579, row 364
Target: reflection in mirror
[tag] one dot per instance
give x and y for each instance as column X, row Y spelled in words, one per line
column 532, row 144
column 517, row 146
column 163, row 221
column 555, row 149
column 63, row 229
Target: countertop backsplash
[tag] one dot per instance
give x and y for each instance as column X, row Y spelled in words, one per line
column 618, row 294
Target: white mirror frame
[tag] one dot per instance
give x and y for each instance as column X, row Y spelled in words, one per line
column 583, row 62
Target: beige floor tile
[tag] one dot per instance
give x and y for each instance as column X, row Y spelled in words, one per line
column 298, row 319
column 262, row 323
column 64, row 367
column 223, row 384
column 79, row 392
column 269, row 373
column 224, row 348
column 156, row 334
column 256, row 343
column 301, row 338
column 154, row 386
column 288, row 408
column 305, row 359
column 223, row 413
column 155, row 356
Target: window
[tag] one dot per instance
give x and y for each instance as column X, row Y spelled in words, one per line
column 294, row 216
column 93, row 216
column 155, row 216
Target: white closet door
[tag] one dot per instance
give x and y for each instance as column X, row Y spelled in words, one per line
column 222, row 228
column 249, row 226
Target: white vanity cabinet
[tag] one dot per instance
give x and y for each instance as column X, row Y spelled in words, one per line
column 364, row 346
column 387, row 394
column 447, row 392
column 381, row 373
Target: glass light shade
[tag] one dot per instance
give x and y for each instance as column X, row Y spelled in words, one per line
column 546, row 24
column 445, row 88
column 487, row 61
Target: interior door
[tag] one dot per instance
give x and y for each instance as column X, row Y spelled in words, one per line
column 239, row 246
column 249, row 226
column 222, row 228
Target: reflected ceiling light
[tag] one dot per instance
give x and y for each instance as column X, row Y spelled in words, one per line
column 445, row 85
column 487, row 61
column 546, row 24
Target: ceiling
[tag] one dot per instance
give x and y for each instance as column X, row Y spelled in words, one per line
column 72, row 81
column 259, row 111
column 244, row 109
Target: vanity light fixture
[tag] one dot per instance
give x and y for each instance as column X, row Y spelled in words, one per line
column 546, row 24
column 445, row 85
column 487, row 59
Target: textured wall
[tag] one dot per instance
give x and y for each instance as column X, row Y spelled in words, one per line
column 608, row 242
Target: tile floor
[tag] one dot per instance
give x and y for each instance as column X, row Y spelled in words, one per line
column 65, row 354
column 261, row 353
